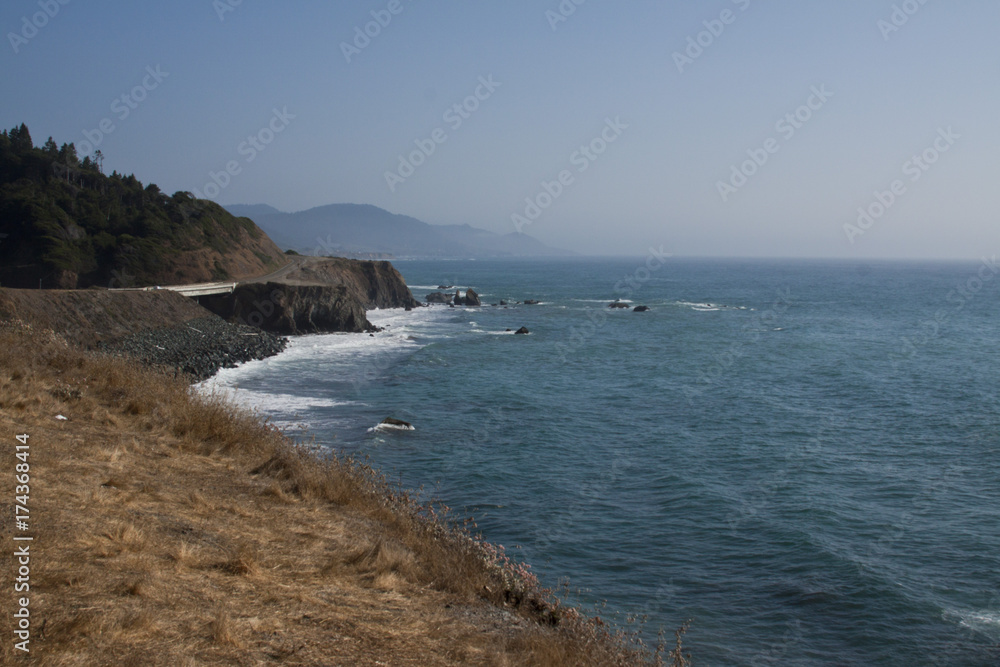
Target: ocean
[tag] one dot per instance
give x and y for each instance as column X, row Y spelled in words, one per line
column 801, row 457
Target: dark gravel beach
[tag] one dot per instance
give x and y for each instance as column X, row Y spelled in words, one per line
column 200, row 347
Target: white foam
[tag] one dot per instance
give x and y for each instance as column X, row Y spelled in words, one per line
column 391, row 427
column 709, row 307
column 984, row 622
column 401, row 327
column 602, row 300
column 701, row 307
column 288, row 402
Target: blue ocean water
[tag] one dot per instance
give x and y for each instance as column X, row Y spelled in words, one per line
column 800, row 457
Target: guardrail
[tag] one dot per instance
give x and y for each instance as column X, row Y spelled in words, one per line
column 201, row 289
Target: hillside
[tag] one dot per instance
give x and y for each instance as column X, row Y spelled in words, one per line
column 170, row 528
column 85, row 318
column 353, row 230
column 64, row 224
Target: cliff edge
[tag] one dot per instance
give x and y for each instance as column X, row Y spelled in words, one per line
column 317, row 295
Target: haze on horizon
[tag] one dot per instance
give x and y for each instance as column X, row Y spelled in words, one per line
column 821, row 108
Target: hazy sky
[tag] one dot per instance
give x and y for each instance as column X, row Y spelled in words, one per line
column 887, row 81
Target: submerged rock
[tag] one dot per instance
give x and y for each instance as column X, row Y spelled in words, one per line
column 522, row 330
column 618, row 304
column 640, row 309
column 531, row 302
column 396, row 422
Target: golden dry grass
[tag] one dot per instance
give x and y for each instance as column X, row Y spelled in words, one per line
column 171, row 529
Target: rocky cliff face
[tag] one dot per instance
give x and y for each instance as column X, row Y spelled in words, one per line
column 320, row 295
column 375, row 284
column 292, row 309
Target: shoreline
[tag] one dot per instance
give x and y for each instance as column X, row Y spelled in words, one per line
column 196, row 529
column 198, row 348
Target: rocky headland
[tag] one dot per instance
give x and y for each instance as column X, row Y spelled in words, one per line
column 161, row 327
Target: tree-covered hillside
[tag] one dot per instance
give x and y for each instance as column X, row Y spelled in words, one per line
column 64, row 224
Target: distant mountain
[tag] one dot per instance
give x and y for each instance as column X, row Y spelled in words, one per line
column 352, row 230
column 252, row 210
column 64, row 224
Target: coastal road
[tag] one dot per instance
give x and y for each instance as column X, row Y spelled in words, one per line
column 204, row 289
column 193, row 290
column 297, row 262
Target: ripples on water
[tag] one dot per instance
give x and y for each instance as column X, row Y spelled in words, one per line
column 779, row 451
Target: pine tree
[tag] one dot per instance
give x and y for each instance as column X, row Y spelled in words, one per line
column 67, row 155
column 20, row 139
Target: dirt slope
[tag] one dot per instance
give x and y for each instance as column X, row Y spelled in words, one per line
column 85, row 317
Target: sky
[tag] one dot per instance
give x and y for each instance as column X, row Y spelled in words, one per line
column 829, row 128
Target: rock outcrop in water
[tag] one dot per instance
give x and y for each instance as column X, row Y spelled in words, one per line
column 438, row 297
column 470, row 298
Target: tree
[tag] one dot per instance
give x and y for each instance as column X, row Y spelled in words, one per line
column 67, row 155
column 20, row 139
column 99, row 160
column 51, row 148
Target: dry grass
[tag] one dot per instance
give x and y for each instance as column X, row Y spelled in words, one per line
column 173, row 529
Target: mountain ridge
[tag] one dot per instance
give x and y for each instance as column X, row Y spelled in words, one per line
column 366, row 230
